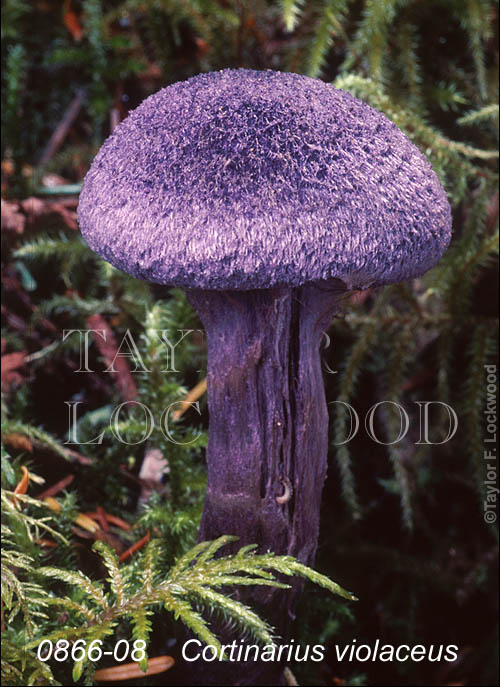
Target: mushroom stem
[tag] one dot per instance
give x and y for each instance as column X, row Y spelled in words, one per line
column 268, row 424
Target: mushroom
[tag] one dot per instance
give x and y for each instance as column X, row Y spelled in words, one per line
column 267, row 196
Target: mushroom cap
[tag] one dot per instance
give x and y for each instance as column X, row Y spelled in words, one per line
column 244, row 179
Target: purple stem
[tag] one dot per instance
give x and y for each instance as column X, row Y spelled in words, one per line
column 267, row 449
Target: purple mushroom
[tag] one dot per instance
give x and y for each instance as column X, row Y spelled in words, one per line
column 266, row 196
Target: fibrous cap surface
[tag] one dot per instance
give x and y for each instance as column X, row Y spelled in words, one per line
column 242, row 179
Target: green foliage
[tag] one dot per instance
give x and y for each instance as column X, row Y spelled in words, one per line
column 95, row 611
column 328, row 26
column 134, row 592
column 432, row 68
column 192, row 580
column 291, row 10
column 22, row 592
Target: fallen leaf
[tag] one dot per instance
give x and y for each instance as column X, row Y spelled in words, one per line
column 81, row 519
column 33, row 207
column 57, row 487
column 52, row 504
column 48, row 543
column 108, row 349
column 71, row 22
column 113, row 519
column 101, row 518
column 69, row 453
column 19, row 441
column 74, row 455
column 111, row 540
column 11, row 363
column 7, row 167
column 203, row 47
column 82, row 533
column 156, row 665
column 135, row 547
column 195, row 393
column 22, row 486
column 12, row 218
column 87, row 523
column 36, row 208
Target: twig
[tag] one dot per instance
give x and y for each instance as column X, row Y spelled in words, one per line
column 63, row 127
column 108, row 348
column 57, row 487
column 135, row 547
column 193, row 395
